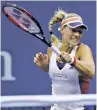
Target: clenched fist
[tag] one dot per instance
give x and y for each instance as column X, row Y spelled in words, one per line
column 66, row 57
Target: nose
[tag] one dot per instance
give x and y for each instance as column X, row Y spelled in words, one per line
column 77, row 34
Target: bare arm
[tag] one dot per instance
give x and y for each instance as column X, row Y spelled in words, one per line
column 86, row 63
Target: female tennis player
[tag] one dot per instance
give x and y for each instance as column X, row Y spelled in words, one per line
column 70, row 73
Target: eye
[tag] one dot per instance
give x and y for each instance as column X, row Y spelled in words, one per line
column 74, row 30
column 79, row 31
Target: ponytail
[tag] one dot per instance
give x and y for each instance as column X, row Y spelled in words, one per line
column 58, row 17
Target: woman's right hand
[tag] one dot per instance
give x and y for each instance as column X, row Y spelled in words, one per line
column 41, row 60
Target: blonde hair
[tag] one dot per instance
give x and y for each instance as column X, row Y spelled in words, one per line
column 58, row 17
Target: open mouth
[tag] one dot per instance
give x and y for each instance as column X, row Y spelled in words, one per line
column 75, row 39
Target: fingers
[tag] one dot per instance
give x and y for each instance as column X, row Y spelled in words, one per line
column 65, row 57
column 35, row 60
column 45, row 56
column 40, row 57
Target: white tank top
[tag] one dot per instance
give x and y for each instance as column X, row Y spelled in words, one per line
column 64, row 81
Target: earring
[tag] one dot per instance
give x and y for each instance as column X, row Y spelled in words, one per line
column 59, row 29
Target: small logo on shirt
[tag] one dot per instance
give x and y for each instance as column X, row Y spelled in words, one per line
column 61, row 75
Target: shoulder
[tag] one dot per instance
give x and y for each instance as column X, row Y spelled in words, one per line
column 83, row 49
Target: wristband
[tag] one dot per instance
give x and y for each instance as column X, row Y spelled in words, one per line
column 74, row 61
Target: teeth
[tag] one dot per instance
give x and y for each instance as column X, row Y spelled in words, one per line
column 74, row 39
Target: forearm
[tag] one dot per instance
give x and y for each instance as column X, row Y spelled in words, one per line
column 86, row 69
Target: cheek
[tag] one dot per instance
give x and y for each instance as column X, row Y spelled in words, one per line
column 69, row 34
column 66, row 34
column 80, row 37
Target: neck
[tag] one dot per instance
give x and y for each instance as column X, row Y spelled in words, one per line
column 66, row 47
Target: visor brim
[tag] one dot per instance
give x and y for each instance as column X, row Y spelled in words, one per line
column 77, row 24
